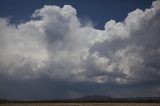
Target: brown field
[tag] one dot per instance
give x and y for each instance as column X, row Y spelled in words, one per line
column 80, row 104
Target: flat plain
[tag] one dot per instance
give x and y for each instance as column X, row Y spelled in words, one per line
column 80, row 104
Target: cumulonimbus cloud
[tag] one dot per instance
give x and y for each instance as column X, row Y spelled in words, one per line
column 55, row 43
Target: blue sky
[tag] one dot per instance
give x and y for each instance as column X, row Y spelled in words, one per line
column 99, row 12
column 51, row 49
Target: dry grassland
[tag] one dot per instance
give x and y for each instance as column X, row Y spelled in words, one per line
column 80, row 104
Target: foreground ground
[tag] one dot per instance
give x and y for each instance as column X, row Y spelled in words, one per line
column 80, row 104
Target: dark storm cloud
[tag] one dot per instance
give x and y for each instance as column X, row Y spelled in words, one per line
column 55, row 55
column 46, row 88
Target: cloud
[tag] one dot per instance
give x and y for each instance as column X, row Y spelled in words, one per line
column 55, row 44
column 128, row 45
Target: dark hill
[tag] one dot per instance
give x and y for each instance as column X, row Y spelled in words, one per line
column 94, row 97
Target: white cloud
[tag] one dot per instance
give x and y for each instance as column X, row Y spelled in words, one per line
column 56, row 44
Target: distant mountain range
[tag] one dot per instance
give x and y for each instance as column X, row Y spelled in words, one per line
column 143, row 98
column 108, row 98
column 90, row 99
column 94, row 97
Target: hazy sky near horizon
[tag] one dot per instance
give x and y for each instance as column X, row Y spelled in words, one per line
column 70, row 48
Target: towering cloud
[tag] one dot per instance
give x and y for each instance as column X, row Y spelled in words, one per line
column 55, row 44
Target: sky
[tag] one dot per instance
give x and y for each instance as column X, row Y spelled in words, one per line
column 56, row 49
